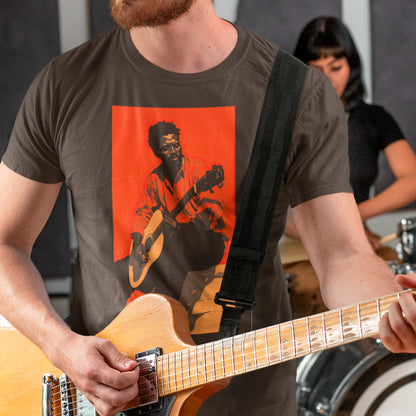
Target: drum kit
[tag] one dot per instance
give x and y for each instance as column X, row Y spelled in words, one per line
column 361, row 378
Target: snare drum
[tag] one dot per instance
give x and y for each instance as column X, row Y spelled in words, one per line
column 357, row 379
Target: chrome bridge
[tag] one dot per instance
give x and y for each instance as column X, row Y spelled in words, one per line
column 61, row 398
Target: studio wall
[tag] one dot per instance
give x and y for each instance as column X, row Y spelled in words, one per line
column 394, row 67
column 29, row 39
column 282, row 20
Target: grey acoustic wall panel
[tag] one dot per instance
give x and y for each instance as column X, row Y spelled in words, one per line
column 394, row 60
column 282, row 20
column 100, row 17
column 29, row 39
column 394, row 68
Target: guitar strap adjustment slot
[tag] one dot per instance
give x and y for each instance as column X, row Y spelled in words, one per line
column 234, row 303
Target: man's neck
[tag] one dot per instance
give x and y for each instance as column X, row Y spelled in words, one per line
column 195, row 42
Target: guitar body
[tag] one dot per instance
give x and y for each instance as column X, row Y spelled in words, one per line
column 153, row 242
column 22, row 365
column 148, row 322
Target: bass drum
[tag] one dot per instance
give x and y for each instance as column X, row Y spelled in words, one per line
column 357, row 379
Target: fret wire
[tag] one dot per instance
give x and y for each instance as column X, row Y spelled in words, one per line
column 360, row 329
column 279, row 340
column 324, row 330
column 205, row 363
column 168, row 374
column 196, row 363
column 267, row 346
column 174, row 371
column 243, row 351
column 292, row 330
column 222, row 357
column 307, row 334
column 254, row 349
column 378, row 310
column 340, row 324
column 161, row 372
column 181, row 356
column 214, row 375
column 189, row 368
column 232, row 356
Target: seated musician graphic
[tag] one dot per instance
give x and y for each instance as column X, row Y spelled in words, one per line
column 178, row 226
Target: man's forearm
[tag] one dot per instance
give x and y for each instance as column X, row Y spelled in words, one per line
column 355, row 279
column 24, row 301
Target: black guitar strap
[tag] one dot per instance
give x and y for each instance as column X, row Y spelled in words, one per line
column 261, row 188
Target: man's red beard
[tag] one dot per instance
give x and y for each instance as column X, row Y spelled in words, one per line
column 139, row 13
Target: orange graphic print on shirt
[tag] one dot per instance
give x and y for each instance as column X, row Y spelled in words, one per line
column 173, row 176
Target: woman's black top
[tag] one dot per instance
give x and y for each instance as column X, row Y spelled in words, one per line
column 371, row 129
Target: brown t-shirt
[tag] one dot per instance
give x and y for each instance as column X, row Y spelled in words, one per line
column 85, row 120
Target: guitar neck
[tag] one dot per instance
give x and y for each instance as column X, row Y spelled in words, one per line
column 182, row 203
column 253, row 350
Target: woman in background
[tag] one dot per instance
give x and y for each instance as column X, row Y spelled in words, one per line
column 326, row 44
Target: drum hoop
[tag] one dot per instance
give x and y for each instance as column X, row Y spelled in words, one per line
column 306, row 364
column 393, row 360
column 356, row 372
column 391, row 389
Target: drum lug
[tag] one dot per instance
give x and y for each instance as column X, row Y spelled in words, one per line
column 323, row 407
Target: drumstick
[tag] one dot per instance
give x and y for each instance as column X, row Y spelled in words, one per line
column 387, row 238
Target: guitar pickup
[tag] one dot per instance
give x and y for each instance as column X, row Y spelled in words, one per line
column 148, row 399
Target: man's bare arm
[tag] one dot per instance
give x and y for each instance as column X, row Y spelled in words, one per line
column 108, row 378
column 348, row 270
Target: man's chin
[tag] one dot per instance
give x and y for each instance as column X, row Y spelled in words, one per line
column 151, row 13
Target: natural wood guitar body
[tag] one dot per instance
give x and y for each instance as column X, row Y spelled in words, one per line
column 148, row 322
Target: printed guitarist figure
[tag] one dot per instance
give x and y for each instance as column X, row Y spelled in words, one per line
column 177, row 207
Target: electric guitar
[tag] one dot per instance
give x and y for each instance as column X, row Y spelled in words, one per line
column 176, row 376
column 153, row 237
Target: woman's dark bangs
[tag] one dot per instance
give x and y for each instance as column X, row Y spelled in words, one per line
column 336, row 51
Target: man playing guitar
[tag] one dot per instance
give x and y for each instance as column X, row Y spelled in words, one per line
column 176, row 53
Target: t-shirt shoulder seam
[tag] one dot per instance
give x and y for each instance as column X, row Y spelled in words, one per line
column 315, row 92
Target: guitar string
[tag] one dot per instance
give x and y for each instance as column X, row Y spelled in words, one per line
column 189, row 381
column 258, row 333
column 270, row 331
column 260, row 350
column 331, row 317
column 72, row 393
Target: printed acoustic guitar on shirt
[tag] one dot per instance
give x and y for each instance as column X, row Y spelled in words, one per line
column 153, row 237
column 176, row 376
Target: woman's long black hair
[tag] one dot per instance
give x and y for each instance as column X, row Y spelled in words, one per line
column 325, row 36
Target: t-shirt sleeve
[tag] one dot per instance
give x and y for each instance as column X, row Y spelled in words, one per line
column 31, row 149
column 318, row 162
column 388, row 131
